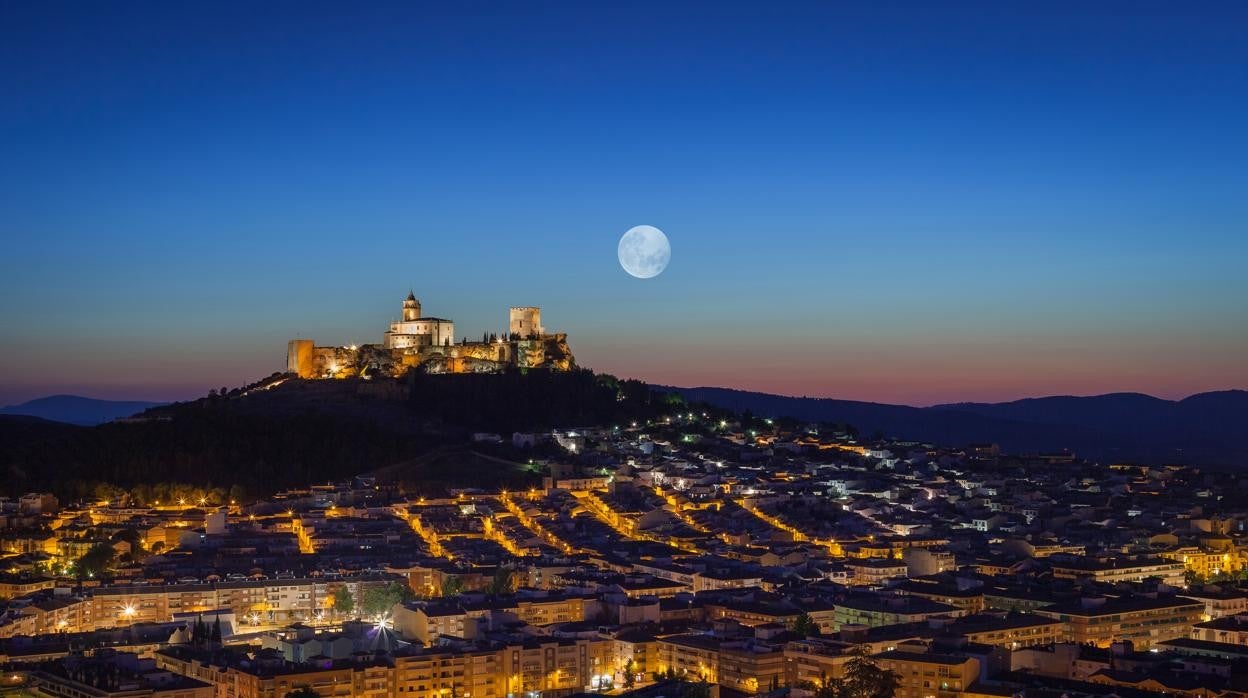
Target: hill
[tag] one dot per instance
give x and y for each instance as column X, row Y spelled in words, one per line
column 285, row 432
column 1204, row 429
column 74, row 409
column 459, row 466
column 217, row 443
column 1204, row 416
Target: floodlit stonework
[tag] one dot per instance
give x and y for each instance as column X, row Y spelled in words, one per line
column 428, row 344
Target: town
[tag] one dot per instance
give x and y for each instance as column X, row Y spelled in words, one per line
column 648, row 350
column 699, row 553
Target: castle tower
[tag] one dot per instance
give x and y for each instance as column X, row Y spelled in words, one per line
column 411, row 308
column 299, row 354
column 525, row 321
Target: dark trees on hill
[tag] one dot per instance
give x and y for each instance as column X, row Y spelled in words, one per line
column 301, row 433
column 530, row 400
column 206, row 443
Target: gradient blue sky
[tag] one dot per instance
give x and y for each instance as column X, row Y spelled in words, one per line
column 910, row 202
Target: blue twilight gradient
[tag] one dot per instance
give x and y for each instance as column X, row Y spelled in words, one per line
column 894, row 201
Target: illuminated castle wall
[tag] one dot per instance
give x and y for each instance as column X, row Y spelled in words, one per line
column 416, row 331
column 525, row 321
column 428, row 344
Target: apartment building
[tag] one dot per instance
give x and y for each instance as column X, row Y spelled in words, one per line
column 1143, row 620
column 873, row 611
column 264, row 600
column 924, row 675
column 549, row 666
column 747, row 665
column 1118, row 569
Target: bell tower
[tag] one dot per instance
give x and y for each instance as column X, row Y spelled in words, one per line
column 411, row 308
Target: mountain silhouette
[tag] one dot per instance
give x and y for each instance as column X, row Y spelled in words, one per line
column 74, row 409
column 1208, row 429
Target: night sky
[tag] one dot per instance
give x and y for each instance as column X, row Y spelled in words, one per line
column 904, row 202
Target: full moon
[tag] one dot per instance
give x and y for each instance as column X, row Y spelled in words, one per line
column 644, row 251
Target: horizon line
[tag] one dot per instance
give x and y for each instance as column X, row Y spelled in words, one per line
column 721, row 387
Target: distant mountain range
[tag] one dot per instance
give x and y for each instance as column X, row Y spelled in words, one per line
column 73, row 409
column 1207, row 428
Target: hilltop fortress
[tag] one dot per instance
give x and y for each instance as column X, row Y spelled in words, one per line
column 427, row 343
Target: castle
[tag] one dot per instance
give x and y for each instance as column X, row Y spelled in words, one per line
column 427, row 343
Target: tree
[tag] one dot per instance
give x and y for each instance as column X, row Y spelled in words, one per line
column 804, row 625
column 863, row 679
column 107, row 492
column 630, row 673
column 378, row 600
column 200, row 634
column 667, row 675
column 688, row 688
column 344, row 602
column 216, row 631
column 452, row 586
column 303, row 692
column 501, row 584
column 96, row 560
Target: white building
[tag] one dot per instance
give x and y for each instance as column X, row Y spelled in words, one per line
column 417, row 331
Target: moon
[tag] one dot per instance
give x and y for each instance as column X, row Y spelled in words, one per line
column 644, row 251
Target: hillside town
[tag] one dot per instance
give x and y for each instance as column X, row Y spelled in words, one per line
column 733, row 555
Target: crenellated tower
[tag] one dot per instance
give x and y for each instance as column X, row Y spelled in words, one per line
column 525, row 321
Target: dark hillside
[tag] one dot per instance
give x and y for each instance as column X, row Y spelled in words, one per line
column 1208, row 429
column 285, row 432
column 530, row 400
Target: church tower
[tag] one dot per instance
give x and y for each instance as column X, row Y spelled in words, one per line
column 411, row 308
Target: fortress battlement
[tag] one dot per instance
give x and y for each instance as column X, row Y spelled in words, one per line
column 426, row 343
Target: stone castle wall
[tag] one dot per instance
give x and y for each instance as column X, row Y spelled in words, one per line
column 309, row 361
column 428, row 344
